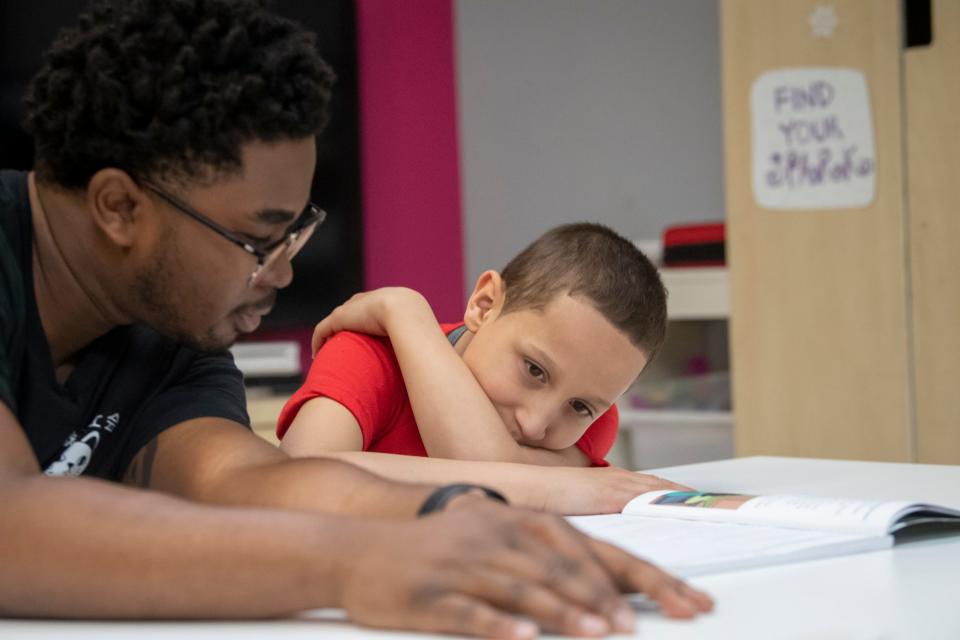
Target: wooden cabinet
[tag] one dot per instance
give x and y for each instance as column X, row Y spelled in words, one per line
column 932, row 118
column 843, row 320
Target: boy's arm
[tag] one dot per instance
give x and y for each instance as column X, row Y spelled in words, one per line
column 460, row 422
column 562, row 490
column 324, row 427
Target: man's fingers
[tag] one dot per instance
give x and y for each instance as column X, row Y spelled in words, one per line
column 676, row 598
column 467, row 615
column 568, row 564
column 679, row 600
column 563, row 605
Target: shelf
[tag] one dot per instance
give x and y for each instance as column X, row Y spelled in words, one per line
column 667, row 437
column 674, row 416
column 696, row 293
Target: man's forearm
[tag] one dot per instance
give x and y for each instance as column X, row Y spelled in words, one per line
column 317, row 485
column 330, row 486
column 216, row 461
column 139, row 554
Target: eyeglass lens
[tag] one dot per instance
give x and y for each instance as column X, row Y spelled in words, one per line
column 290, row 248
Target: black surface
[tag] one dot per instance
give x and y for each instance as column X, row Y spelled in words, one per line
column 917, row 23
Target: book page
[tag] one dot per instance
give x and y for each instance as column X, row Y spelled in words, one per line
column 695, row 548
column 868, row 517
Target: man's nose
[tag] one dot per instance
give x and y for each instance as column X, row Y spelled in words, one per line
column 279, row 273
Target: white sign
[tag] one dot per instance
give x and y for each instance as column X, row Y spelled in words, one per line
column 812, row 139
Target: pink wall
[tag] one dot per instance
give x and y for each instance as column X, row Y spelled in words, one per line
column 409, row 153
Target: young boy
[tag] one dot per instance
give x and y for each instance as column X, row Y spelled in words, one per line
column 543, row 352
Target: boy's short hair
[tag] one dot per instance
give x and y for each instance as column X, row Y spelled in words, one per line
column 592, row 261
column 171, row 89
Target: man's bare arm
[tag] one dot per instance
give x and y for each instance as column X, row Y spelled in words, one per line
column 147, row 555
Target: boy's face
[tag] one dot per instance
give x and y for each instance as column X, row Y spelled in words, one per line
column 550, row 373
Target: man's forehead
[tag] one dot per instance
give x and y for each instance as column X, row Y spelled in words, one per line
column 275, row 179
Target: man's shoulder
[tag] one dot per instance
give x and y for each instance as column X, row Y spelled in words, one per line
column 12, row 251
column 13, row 186
column 14, row 211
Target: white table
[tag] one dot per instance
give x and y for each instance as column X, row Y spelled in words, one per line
column 909, row 592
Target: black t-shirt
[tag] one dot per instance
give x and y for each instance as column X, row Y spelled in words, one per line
column 127, row 386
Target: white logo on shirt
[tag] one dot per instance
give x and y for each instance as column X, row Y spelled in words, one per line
column 78, row 448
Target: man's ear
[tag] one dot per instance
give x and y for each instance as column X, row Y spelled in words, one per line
column 486, row 301
column 116, row 204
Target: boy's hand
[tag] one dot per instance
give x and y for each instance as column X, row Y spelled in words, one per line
column 481, row 568
column 372, row 312
column 585, row 491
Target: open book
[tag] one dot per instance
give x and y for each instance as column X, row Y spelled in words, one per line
column 693, row 533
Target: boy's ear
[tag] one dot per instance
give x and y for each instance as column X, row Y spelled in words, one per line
column 486, row 300
column 116, row 204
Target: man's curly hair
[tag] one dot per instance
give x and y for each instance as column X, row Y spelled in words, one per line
column 172, row 89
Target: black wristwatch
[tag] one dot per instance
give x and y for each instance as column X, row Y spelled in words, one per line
column 437, row 500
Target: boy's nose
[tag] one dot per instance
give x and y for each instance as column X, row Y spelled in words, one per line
column 533, row 422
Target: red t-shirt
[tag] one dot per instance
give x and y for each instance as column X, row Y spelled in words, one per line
column 361, row 373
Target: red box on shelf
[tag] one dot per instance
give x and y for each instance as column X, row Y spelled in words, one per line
column 695, row 245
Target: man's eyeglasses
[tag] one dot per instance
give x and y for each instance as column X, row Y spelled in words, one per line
column 288, row 246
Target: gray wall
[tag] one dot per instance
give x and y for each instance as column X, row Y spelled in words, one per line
column 605, row 110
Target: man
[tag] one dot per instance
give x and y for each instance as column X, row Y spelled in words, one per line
column 174, row 151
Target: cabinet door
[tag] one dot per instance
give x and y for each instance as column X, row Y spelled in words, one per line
column 932, row 105
column 819, row 306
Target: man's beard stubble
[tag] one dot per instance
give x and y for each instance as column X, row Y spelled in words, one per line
column 156, row 292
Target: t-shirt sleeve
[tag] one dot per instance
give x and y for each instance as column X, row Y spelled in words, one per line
column 597, row 441
column 358, row 371
column 11, row 321
column 210, row 387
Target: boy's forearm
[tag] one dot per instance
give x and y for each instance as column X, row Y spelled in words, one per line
column 141, row 554
column 460, row 422
column 524, row 485
column 562, row 490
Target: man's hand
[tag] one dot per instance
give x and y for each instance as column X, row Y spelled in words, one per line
column 371, row 312
column 484, row 569
column 584, row 491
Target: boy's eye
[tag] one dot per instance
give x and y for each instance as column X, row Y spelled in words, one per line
column 536, row 371
column 582, row 409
